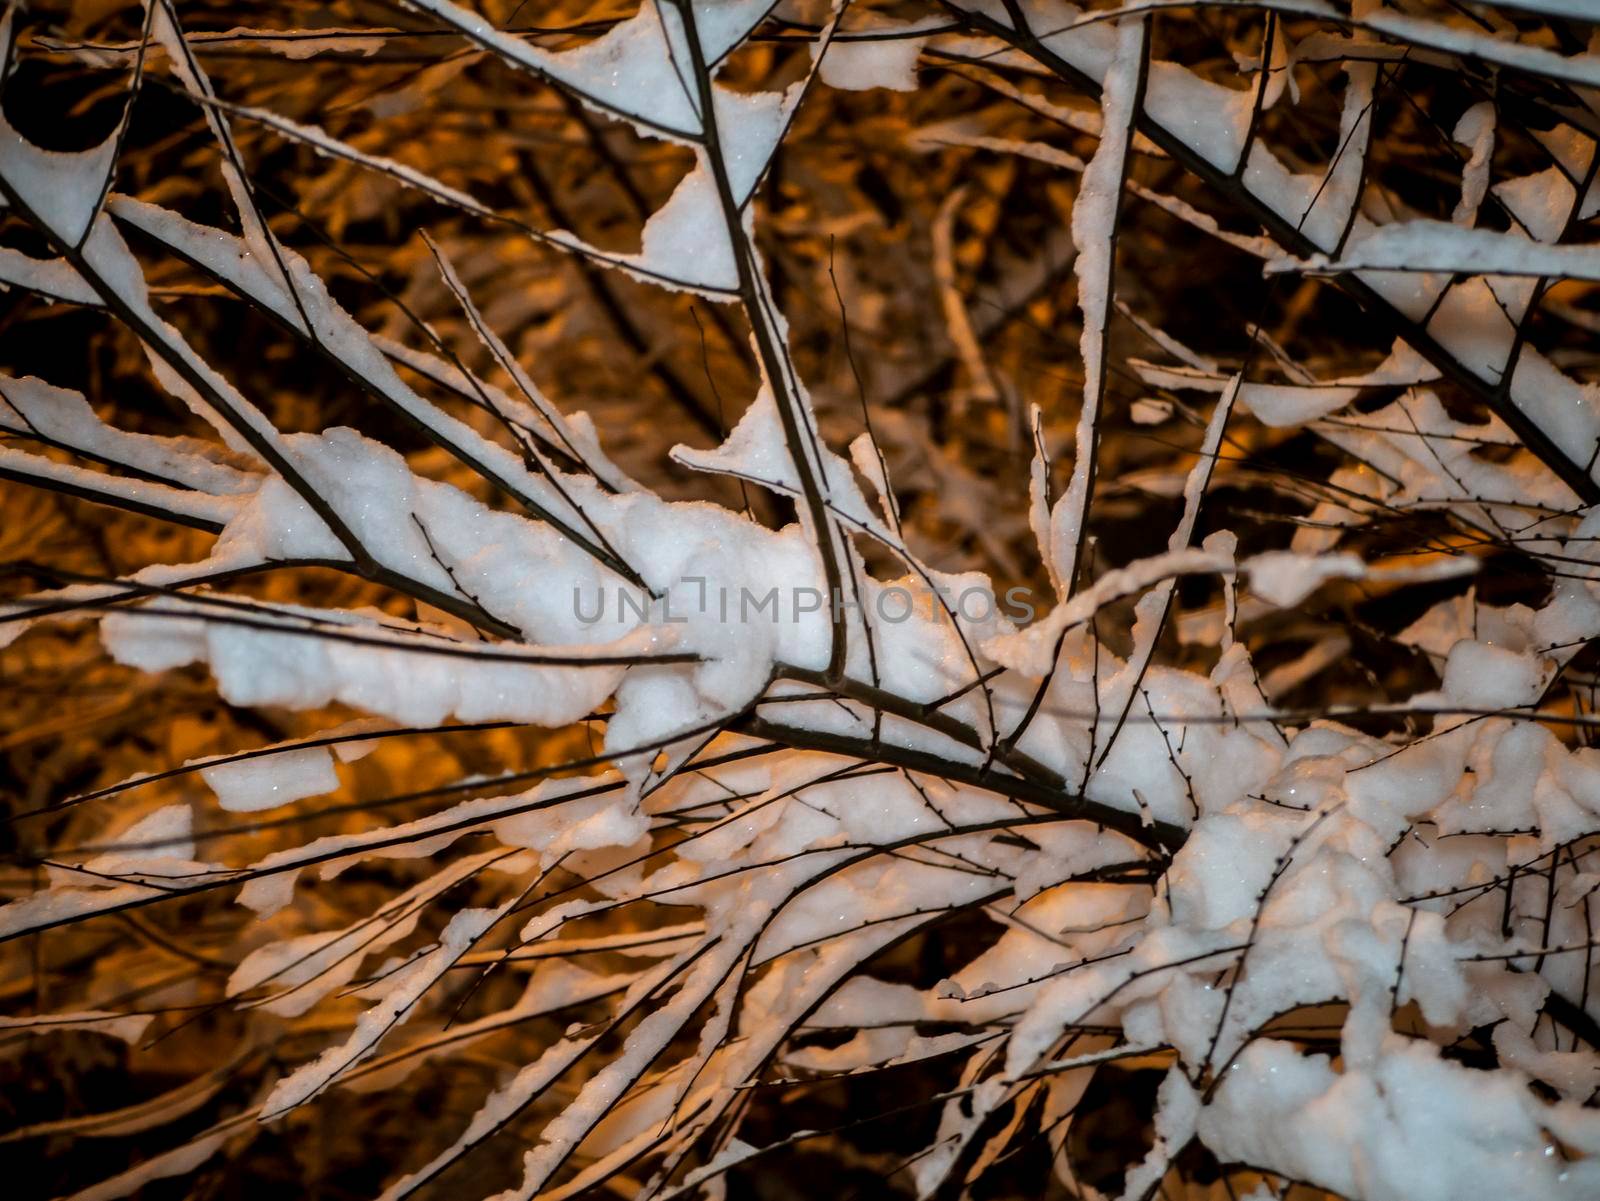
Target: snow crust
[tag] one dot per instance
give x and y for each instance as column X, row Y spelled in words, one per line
column 888, row 62
column 251, row 785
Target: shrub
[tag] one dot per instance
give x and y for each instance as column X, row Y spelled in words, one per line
column 749, row 599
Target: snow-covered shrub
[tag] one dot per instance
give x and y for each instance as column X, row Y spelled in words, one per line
column 1106, row 707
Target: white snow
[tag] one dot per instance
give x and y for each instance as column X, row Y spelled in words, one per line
column 1094, row 223
column 1481, row 675
column 860, row 64
column 61, row 190
column 463, row 929
column 250, row 785
column 1438, row 246
column 1475, row 130
column 1417, row 1128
